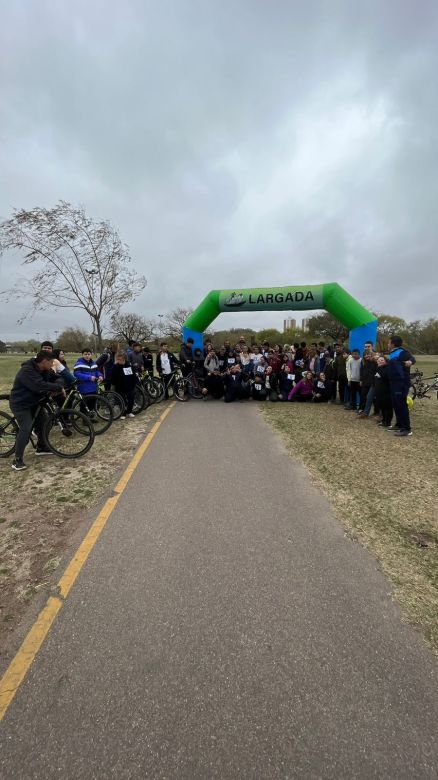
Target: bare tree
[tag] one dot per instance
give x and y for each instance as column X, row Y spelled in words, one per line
column 81, row 263
column 132, row 327
column 173, row 322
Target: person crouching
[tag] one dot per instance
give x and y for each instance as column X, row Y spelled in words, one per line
column 303, row 390
column 124, row 380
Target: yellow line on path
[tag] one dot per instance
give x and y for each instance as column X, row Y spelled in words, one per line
column 20, row 664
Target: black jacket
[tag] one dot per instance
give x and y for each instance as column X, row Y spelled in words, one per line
column 367, row 371
column 30, row 385
column 382, row 386
column 186, row 355
column 123, row 382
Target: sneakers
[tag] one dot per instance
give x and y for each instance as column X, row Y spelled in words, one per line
column 130, row 415
column 393, row 428
column 18, row 465
column 122, row 417
column 403, row 433
column 43, row 451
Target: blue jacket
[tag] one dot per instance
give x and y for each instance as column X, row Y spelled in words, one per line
column 398, row 373
column 83, row 370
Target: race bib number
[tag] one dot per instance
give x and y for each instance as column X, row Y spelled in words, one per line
column 261, row 369
column 291, row 376
column 231, row 361
column 321, row 385
column 258, row 387
column 321, row 355
column 127, row 371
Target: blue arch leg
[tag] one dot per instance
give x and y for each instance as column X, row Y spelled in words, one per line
column 358, row 336
column 197, row 337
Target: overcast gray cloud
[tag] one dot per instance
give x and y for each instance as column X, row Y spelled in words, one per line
column 233, row 144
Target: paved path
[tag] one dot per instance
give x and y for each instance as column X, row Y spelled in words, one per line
column 224, row 627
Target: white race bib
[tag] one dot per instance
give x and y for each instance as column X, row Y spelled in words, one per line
column 261, row 369
column 258, row 387
column 321, row 355
column 127, row 371
column 231, row 361
column 291, row 376
column 321, row 385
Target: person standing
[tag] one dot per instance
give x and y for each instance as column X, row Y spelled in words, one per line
column 87, row 373
column 123, row 379
column 186, row 356
column 400, row 361
column 166, row 362
column 353, row 377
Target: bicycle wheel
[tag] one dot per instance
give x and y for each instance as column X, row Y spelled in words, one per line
column 180, row 389
column 150, row 389
column 8, row 434
column 194, row 387
column 68, row 433
column 98, row 410
column 159, row 386
column 116, row 401
column 140, row 400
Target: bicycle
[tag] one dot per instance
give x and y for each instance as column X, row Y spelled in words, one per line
column 195, row 386
column 151, row 386
column 420, row 387
column 174, row 382
column 95, row 406
column 68, row 433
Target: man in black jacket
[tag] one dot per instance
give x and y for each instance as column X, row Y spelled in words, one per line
column 34, row 379
column 186, row 356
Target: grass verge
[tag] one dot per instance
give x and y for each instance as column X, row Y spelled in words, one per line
column 44, row 506
column 383, row 490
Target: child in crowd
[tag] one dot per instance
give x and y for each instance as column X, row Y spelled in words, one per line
column 87, row 373
column 353, row 366
column 321, row 389
column 382, row 391
column 123, row 379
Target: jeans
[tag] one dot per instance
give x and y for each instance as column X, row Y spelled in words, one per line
column 24, row 418
column 354, row 388
column 367, row 398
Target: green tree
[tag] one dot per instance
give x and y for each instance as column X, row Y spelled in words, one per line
column 388, row 326
column 270, row 334
column 2, row 347
column 325, row 326
column 74, row 340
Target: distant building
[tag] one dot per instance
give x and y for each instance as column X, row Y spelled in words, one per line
column 305, row 325
column 289, row 324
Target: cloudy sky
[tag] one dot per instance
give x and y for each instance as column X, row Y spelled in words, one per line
column 240, row 143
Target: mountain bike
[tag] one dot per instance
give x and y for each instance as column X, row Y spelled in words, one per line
column 95, row 406
column 176, row 385
column 68, row 433
column 421, row 387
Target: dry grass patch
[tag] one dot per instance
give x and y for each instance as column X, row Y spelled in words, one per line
column 43, row 506
column 382, row 488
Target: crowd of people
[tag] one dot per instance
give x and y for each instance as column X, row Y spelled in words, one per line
column 370, row 383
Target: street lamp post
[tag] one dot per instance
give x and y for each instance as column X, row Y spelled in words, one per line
column 160, row 328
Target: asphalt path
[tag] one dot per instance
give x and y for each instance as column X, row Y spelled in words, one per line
column 225, row 627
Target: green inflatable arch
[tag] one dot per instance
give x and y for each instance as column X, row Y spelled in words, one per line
column 361, row 323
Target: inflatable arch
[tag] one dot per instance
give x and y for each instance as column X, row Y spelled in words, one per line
column 361, row 323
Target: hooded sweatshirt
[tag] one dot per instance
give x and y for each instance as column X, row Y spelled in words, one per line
column 30, row 385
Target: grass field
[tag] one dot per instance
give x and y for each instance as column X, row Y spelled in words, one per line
column 383, row 490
